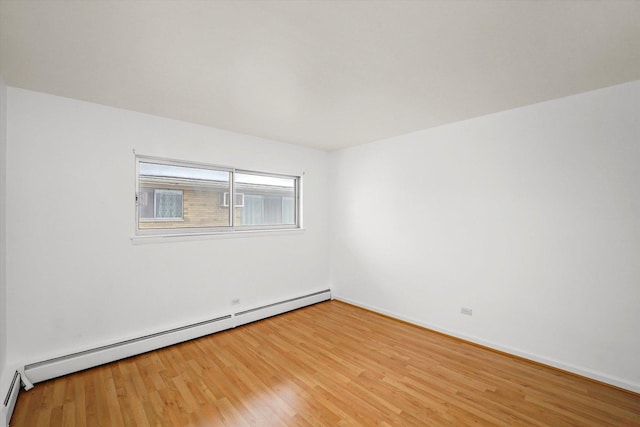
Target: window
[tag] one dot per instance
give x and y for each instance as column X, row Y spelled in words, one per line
column 176, row 197
column 168, row 204
column 268, row 200
column 160, row 204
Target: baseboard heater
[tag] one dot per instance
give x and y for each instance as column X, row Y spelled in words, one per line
column 248, row 316
column 10, row 399
column 56, row 367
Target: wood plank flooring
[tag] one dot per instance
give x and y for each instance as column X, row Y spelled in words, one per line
column 330, row 364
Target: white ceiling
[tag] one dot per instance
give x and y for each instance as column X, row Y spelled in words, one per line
column 326, row 74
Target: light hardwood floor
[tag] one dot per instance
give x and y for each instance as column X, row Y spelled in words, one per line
column 328, row 364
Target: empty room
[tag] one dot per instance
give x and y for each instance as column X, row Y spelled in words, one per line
column 326, row 213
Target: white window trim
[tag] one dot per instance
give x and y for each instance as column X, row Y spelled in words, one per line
column 180, row 234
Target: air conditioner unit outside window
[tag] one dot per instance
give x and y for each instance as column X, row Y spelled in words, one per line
column 239, row 200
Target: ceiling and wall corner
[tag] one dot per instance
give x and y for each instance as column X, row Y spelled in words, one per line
column 321, row 74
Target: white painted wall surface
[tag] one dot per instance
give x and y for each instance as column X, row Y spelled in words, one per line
column 76, row 280
column 4, row 374
column 531, row 217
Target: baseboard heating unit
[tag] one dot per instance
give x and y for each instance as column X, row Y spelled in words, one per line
column 10, row 400
column 248, row 316
column 52, row 368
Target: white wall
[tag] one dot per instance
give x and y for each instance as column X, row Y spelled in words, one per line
column 76, row 280
column 531, row 217
column 4, row 375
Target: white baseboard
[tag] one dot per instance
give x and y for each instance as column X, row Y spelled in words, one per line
column 52, row 368
column 583, row 372
column 9, row 402
column 248, row 316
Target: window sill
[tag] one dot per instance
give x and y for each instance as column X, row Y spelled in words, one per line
column 164, row 238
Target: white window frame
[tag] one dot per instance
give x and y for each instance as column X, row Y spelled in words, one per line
column 215, row 230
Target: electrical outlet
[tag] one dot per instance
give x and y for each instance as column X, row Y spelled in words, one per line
column 467, row 311
column 235, row 301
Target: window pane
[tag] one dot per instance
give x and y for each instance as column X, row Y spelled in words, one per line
column 252, row 213
column 288, row 210
column 268, row 200
column 177, row 197
column 146, row 203
column 172, row 196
